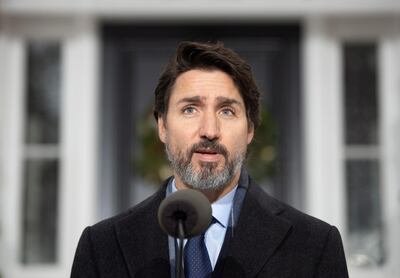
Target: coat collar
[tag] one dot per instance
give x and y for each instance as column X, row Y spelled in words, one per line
column 259, row 231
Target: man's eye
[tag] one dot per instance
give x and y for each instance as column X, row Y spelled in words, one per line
column 188, row 110
column 227, row 112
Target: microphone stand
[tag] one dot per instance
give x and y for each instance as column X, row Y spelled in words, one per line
column 179, row 254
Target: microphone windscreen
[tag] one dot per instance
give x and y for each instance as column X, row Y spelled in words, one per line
column 189, row 205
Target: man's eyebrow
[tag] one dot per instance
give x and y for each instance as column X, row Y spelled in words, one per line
column 220, row 100
column 195, row 99
column 228, row 101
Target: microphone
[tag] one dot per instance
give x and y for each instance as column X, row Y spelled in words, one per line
column 184, row 214
column 188, row 206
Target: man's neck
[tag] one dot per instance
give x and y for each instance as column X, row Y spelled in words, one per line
column 211, row 194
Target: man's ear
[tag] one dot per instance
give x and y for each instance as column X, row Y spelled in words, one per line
column 250, row 133
column 162, row 131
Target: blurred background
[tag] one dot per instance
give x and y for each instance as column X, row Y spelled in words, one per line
column 78, row 141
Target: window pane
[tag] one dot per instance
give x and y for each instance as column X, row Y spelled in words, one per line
column 364, row 213
column 360, row 81
column 43, row 92
column 40, row 210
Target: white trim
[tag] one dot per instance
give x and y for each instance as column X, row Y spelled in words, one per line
column 362, row 152
column 3, row 124
column 359, row 29
column 389, row 54
column 42, row 28
column 314, row 42
column 181, row 9
column 42, row 151
column 12, row 134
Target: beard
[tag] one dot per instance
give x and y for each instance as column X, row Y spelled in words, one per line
column 208, row 177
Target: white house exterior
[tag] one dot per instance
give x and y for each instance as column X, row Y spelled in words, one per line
column 73, row 26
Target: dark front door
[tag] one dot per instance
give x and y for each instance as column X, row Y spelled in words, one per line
column 133, row 58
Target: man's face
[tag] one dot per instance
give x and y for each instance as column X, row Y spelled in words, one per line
column 205, row 131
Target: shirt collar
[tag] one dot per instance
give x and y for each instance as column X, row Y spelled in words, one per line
column 221, row 208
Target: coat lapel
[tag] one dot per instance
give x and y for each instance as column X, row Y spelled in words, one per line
column 144, row 245
column 258, row 233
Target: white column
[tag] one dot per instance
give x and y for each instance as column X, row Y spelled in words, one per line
column 322, row 123
column 11, row 132
column 80, row 135
column 2, row 124
column 389, row 86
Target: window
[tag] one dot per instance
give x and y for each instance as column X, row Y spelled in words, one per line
column 41, row 154
column 362, row 155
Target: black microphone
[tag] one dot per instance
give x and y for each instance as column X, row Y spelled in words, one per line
column 184, row 214
column 189, row 206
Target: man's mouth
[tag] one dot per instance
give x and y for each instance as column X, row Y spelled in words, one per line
column 206, row 151
column 207, row 155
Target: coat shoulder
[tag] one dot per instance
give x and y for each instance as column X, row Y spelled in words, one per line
column 312, row 245
column 138, row 211
column 117, row 246
column 305, row 229
column 296, row 217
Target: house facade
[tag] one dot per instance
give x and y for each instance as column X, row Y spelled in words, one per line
column 76, row 81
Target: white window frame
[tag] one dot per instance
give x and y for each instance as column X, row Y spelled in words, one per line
column 324, row 149
column 78, row 136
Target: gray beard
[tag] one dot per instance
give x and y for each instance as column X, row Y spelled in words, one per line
column 208, row 178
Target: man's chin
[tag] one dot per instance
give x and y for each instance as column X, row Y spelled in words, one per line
column 208, row 165
column 208, row 185
column 209, row 169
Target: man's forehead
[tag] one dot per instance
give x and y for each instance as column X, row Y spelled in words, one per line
column 199, row 77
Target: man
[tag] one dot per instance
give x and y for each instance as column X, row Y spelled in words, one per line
column 207, row 110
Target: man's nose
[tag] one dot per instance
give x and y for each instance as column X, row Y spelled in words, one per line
column 210, row 127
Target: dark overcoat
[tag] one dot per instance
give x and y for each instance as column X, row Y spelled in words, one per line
column 271, row 239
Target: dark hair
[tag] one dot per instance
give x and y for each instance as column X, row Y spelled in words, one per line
column 208, row 56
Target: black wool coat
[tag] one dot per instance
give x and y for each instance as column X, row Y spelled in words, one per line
column 271, row 239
